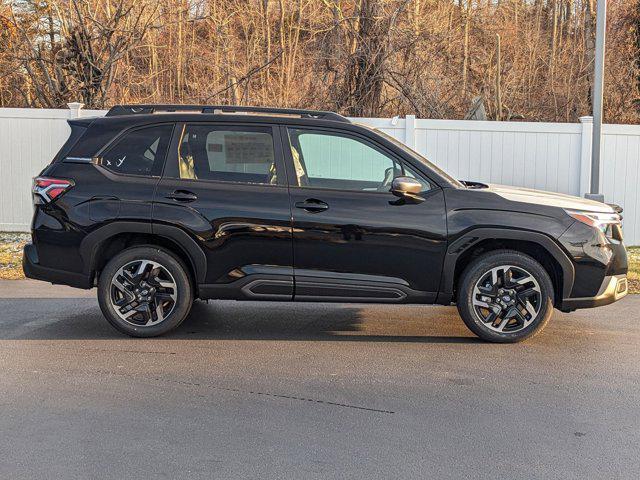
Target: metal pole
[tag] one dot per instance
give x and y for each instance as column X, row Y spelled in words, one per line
column 598, row 93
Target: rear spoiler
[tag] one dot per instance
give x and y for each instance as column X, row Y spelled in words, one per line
column 81, row 122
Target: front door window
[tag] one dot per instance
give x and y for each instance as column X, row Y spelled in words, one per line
column 335, row 161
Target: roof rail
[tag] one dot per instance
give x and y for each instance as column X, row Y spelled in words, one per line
column 220, row 109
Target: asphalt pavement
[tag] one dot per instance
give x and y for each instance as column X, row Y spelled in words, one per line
column 313, row 391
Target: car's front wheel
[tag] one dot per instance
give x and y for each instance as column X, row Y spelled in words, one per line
column 505, row 296
column 145, row 291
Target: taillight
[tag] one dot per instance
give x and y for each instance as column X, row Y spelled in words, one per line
column 47, row 189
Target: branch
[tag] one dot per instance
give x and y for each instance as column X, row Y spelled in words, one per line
column 251, row 72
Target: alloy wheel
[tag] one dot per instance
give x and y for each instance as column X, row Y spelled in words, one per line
column 507, row 299
column 143, row 293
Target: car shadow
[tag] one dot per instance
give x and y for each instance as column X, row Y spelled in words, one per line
column 78, row 319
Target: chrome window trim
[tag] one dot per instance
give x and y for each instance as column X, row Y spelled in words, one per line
column 78, row 160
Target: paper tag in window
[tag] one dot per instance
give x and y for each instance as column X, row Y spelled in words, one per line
column 248, row 148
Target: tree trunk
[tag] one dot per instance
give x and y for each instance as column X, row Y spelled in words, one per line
column 465, row 48
column 366, row 76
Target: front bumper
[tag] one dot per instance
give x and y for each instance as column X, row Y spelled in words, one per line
column 613, row 288
column 33, row 269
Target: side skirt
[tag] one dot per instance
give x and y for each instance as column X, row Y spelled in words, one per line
column 251, row 287
column 317, row 287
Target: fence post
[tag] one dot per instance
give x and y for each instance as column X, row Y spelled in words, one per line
column 410, row 131
column 585, row 155
column 74, row 109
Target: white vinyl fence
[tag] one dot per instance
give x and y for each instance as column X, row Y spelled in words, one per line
column 545, row 156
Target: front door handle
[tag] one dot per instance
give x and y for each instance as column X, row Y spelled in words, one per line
column 182, row 196
column 312, row 205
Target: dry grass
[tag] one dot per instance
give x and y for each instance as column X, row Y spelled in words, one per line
column 634, row 270
column 11, row 260
column 11, row 255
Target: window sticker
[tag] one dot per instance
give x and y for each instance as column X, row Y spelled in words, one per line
column 243, row 148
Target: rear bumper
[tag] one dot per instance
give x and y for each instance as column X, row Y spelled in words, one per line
column 613, row 288
column 33, row 269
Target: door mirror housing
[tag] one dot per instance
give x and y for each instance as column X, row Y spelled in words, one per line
column 407, row 187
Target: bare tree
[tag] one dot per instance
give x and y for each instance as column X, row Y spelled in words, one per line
column 434, row 58
column 75, row 52
column 366, row 71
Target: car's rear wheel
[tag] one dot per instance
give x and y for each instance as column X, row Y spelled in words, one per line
column 145, row 291
column 505, row 296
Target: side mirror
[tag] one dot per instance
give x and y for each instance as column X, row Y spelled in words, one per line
column 407, row 187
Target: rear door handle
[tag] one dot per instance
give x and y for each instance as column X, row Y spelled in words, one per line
column 182, row 196
column 312, row 205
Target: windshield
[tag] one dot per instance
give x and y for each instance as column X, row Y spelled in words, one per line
column 417, row 156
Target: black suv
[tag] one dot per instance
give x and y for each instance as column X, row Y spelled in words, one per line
column 157, row 205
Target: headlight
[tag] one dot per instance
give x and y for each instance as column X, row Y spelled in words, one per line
column 607, row 223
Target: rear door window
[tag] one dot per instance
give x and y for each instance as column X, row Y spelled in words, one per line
column 240, row 154
column 139, row 152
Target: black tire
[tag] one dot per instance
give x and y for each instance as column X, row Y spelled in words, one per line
column 480, row 269
column 179, row 305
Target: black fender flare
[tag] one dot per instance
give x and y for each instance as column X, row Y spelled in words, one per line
column 475, row 236
column 91, row 244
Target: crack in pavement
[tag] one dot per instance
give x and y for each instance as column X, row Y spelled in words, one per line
column 277, row 395
column 233, row 390
column 80, row 350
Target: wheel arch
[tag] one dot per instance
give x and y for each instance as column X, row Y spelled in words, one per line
column 537, row 245
column 100, row 245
